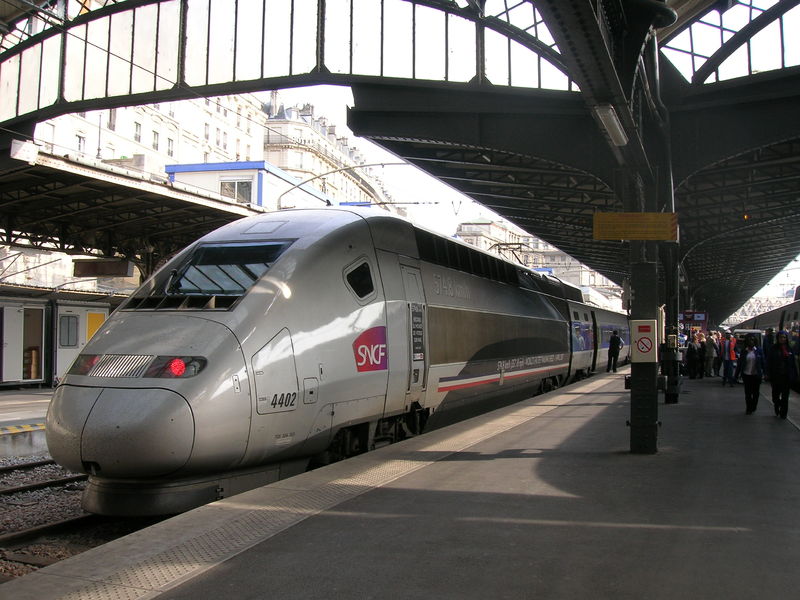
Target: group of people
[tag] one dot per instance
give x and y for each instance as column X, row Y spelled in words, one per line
column 774, row 360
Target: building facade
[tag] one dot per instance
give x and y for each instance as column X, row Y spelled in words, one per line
column 221, row 129
column 309, row 148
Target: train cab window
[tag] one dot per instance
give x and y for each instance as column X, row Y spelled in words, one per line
column 211, row 276
column 68, row 331
column 225, row 268
column 359, row 279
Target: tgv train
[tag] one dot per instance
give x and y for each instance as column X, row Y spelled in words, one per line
column 304, row 337
column 784, row 318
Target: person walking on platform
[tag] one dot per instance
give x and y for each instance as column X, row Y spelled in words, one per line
column 712, row 353
column 718, row 359
column 702, row 348
column 728, row 358
column 769, row 341
column 750, row 366
column 782, row 372
column 615, row 344
column 692, row 355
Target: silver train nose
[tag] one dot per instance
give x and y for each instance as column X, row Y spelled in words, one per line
column 120, row 432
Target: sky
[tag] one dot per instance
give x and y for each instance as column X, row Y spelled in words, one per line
column 430, row 202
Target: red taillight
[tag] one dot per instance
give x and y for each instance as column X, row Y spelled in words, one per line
column 83, row 364
column 177, row 367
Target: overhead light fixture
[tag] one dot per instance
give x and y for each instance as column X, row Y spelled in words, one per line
column 608, row 117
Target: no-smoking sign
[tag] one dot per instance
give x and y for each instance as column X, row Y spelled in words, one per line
column 644, row 344
column 644, row 340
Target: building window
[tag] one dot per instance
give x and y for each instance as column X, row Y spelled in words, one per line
column 239, row 190
column 207, row 131
column 137, row 132
column 238, row 117
column 205, row 157
column 219, row 136
column 155, row 140
column 297, row 160
column 247, row 154
column 112, row 119
column 170, row 147
column 81, row 142
column 171, row 109
column 224, row 140
column 238, row 148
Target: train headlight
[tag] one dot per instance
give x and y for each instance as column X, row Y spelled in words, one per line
column 175, row 367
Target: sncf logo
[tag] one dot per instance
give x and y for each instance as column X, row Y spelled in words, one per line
column 369, row 350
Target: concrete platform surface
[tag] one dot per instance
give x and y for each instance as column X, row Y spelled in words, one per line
column 22, row 415
column 541, row 499
column 24, row 406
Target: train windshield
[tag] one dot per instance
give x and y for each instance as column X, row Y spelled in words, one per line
column 223, row 269
column 210, row 276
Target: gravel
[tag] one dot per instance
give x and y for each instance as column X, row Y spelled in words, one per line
column 37, row 507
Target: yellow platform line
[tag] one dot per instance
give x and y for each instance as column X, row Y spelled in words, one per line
column 8, row 429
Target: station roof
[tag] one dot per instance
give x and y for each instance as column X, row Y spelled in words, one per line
column 537, row 157
column 79, row 206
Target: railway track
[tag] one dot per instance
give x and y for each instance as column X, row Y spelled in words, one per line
column 26, row 550
column 41, row 519
column 26, row 465
column 23, row 469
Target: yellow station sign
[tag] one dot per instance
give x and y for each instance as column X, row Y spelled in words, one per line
column 635, row 226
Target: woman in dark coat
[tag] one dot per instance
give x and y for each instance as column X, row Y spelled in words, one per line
column 782, row 373
column 750, row 365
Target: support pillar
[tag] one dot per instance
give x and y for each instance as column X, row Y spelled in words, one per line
column 644, row 375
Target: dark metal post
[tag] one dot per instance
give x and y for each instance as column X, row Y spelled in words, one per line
column 644, row 375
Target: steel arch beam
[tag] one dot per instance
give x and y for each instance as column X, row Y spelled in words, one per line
column 142, row 51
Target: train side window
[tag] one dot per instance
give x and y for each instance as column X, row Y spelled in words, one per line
column 68, row 331
column 575, row 315
column 359, row 279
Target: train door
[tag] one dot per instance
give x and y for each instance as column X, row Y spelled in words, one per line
column 74, row 328
column 23, row 342
column 417, row 334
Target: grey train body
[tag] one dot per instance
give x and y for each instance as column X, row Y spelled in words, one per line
column 306, row 335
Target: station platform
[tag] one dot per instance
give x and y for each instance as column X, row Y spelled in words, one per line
column 22, row 416
column 541, row 499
